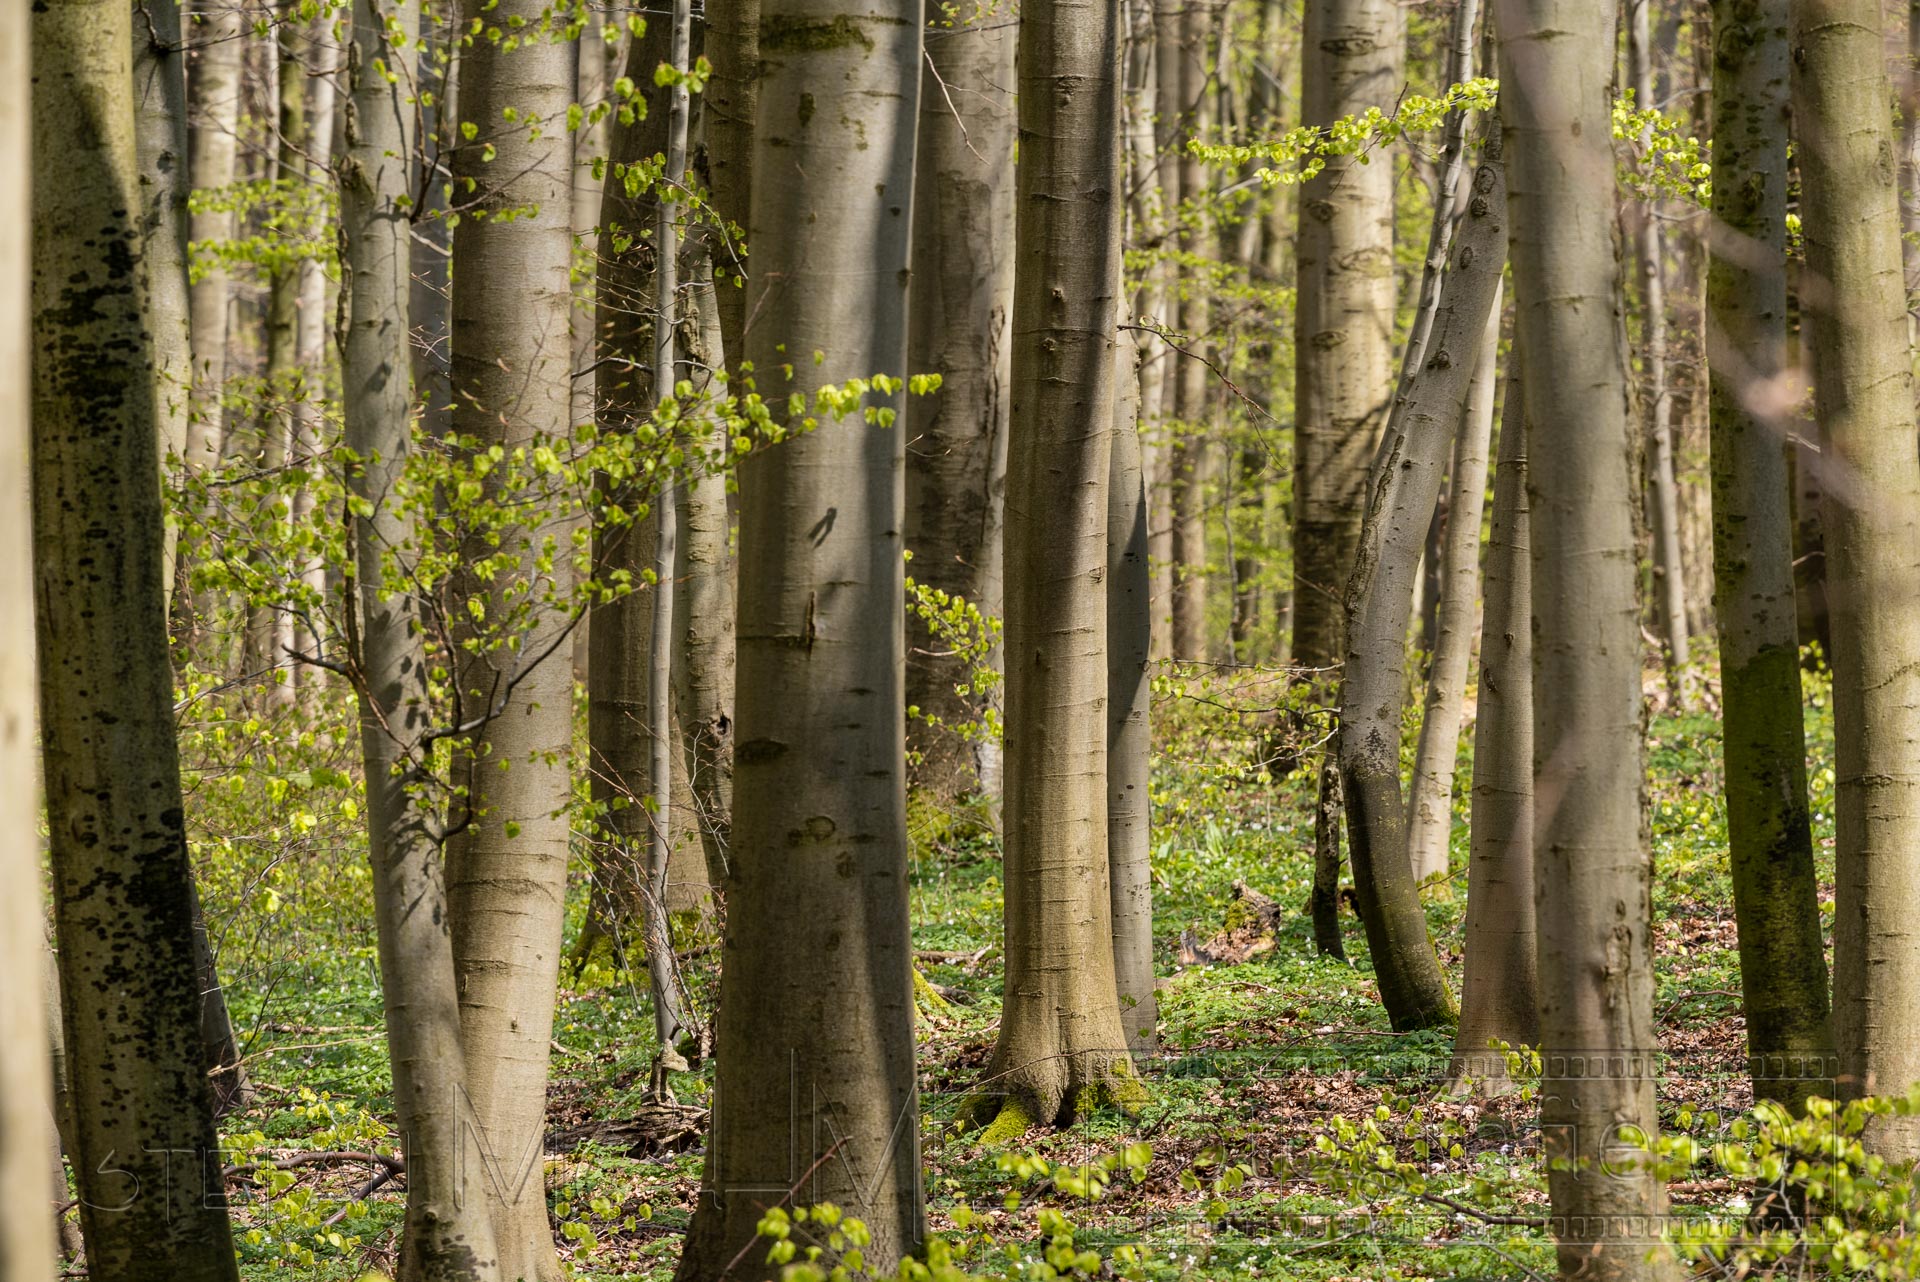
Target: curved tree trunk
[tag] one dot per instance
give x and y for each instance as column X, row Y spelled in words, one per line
column 122, row 881
column 1430, row 808
column 1061, row 1046
column 511, row 367
column 1591, row 860
column 215, row 88
column 1864, row 400
column 448, row 1235
column 1782, row 958
column 1129, row 703
column 960, row 307
column 1499, row 990
column 1404, row 489
column 1343, row 325
column 816, row 1013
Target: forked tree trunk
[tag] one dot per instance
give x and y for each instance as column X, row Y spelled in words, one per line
column 511, row 371
column 816, row 1012
column 1343, row 326
column 1863, row 398
column 28, row 1246
column 1500, row 988
column 1591, row 860
column 1129, row 704
column 1782, row 958
column 1430, row 809
column 1404, row 488
column 1061, row 1048
column 448, row 1235
column 961, row 306
column 152, row 1202
column 215, row 89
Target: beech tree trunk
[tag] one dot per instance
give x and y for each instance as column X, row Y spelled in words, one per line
column 1189, row 456
column 1592, row 865
column 153, row 1205
column 1129, row 705
column 1863, row 399
column 1500, row 987
column 733, row 89
column 816, row 1012
column 1430, row 811
column 215, row 88
column 448, row 1235
column 960, row 308
column 1404, row 489
column 1343, row 324
column 315, row 329
column 1782, row 957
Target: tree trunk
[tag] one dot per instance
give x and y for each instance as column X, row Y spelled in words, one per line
column 1159, row 389
column 1404, row 489
column 511, row 368
column 215, row 88
column 816, row 1014
column 430, row 289
column 1061, row 1047
column 152, row 1202
column 590, row 88
column 1592, row 863
column 1500, row 989
column 315, row 328
column 1864, row 400
column 1669, row 580
column 1776, row 892
column 1343, row 326
column 1430, row 817
column 1129, row 705
column 28, row 1244
column 448, row 1236
column 160, row 139
column 1190, row 455
column 957, row 438
column 733, row 89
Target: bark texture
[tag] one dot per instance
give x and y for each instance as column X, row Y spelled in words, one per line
column 1593, row 870
column 961, row 305
column 153, row 1205
column 215, row 90
column 816, row 1092
column 1343, row 325
column 1863, row 398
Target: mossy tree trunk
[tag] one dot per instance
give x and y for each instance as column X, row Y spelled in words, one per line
column 1863, row 398
column 816, row 1097
column 153, row 1204
column 1593, row 870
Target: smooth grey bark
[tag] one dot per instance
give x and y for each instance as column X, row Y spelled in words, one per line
column 1190, row 455
column 1669, row 582
column 960, row 309
column 733, row 89
column 511, row 371
column 1593, row 871
column 430, row 289
column 816, row 1012
column 1430, row 801
column 1782, row 956
column 590, row 89
column 1863, row 398
column 448, row 1234
column 215, row 89
column 314, row 328
column 1353, row 51
column 1500, row 986
column 1061, row 1047
column 28, row 1245
column 1129, row 705
column 1403, row 490
column 153, row 1205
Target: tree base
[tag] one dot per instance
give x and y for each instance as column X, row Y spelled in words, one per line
column 1003, row 1117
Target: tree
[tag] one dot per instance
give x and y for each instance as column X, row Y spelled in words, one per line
column 1782, row 959
column 1190, row 458
column 1591, row 859
column 960, row 307
column 122, row 883
column 512, row 378
column 1129, row 705
column 1343, row 326
column 1499, row 988
column 1061, row 1048
column 816, row 1009
column 1863, row 398
column 215, row 89
column 448, row 1232
column 27, row 1243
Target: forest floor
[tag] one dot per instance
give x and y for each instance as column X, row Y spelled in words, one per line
column 1253, row 1157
